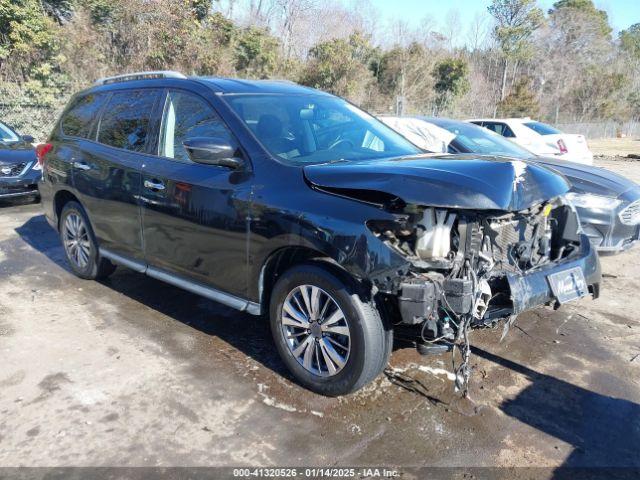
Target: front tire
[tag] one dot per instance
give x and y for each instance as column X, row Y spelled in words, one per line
column 332, row 342
column 80, row 244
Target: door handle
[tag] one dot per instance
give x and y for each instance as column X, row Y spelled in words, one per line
column 153, row 186
column 81, row 166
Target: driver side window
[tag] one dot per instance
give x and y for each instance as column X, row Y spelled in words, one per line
column 187, row 116
column 333, row 128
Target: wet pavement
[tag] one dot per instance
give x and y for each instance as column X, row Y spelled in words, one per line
column 133, row 372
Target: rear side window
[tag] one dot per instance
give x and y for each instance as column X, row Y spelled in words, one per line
column 78, row 120
column 187, row 116
column 127, row 118
column 500, row 128
column 542, row 128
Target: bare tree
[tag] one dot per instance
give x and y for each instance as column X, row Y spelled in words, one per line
column 452, row 28
column 478, row 32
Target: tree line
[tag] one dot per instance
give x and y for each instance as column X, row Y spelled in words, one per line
column 562, row 65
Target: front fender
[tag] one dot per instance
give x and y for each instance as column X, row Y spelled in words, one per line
column 332, row 226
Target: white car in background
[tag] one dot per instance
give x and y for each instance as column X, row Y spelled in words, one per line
column 540, row 138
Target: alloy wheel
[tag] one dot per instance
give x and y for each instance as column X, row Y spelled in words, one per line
column 316, row 330
column 76, row 240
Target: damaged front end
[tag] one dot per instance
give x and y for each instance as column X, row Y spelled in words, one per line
column 472, row 269
column 484, row 238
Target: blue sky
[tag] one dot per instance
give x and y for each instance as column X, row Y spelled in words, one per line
column 622, row 13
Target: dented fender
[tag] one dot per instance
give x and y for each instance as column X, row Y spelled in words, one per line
column 330, row 225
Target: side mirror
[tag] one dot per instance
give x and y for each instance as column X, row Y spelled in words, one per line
column 213, row 151
column 28, row 138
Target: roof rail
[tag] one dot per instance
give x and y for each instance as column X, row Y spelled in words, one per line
column 278, row 80
column 127, row 77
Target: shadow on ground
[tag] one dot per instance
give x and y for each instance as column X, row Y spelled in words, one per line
column 604, row 431
column 247, row 333
column 38, row 234
column 15, row 202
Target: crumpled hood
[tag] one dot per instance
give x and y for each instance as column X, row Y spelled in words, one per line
column 588, row 179
column 18, row 152
column 452, row 181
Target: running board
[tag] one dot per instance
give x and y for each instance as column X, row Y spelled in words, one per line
column 193, row 287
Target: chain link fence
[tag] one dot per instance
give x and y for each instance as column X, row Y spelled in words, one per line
column 609, row 129
column 35, row 120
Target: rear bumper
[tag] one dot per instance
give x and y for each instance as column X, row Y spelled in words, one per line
column 532, row 289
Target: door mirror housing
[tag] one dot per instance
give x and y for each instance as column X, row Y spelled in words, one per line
column 214, row 151
column 28, row 138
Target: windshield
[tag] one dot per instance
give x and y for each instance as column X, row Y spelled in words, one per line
column 303, row 129
column 7, row 135
column 542, row 128
column 480, row 140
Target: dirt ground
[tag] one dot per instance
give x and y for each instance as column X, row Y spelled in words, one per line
column 134, row 372
column 614, row 146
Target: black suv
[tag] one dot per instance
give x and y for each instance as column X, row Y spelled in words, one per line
column 281, row 200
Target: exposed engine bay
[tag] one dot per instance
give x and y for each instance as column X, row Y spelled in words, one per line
column 461, row 262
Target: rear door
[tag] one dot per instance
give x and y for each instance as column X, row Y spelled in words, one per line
column 194, row 215
column 107, row 174
column 72, row 142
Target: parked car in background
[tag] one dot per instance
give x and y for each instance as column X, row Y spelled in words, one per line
column 426, row 135
column 19, row 169
column 540, row 138
column 277, row 199
column 607, row 203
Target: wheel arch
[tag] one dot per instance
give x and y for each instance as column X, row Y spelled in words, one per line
column 60, row 199
column 285, row 258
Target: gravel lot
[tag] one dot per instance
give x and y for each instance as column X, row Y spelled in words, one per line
column 134, row 372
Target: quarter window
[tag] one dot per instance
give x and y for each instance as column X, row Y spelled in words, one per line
column 187, row 116
column 78, row 120
column 126, row 121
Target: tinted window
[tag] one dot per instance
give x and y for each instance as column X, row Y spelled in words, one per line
column 542, row 128
column 125, row 123
column 470, row 138
column 187, row 116
column 78, row 120
column 500, row 128
column 303, row 129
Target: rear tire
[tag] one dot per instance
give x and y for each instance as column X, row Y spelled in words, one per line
column 347, row 345
column 80, row 244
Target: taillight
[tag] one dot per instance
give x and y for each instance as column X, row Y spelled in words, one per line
column 41, row 151
column 562, row 146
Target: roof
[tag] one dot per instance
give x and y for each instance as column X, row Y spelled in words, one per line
column 512, row 119
column 442, row 121
column 238, row 85
column 217, row 84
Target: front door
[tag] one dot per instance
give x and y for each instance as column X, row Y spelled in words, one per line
column 194, row 216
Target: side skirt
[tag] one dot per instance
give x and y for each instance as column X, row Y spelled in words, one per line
column 232, row 301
